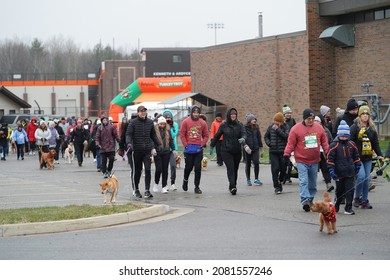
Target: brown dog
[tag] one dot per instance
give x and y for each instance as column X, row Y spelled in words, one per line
column 13, row 147
column 47, row 158
column 111, row 185
column 327, row 213
column 178, row 162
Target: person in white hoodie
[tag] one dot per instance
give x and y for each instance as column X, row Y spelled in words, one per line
column 42, row 134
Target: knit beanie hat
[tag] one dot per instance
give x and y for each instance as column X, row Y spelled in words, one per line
column 279, row 117
column 286, row 109
column 364, row 110
column 250, row 117
column 161, row 120
column 343, row 129
column 102, row 118
column 352, row 104
column 218, row 115
column 317, row 119
column 324, row 109
column 307, row 113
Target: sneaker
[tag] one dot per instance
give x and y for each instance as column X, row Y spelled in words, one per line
column 148, row 194
column 306, row 207
column 248, row 183
column 173, row 187
column 185, row 185
column 366, row 205
column 233, row 191
column 105, row 175
column 99, row 170
column 22, row 158
column 198, row 190
column 371, row 187
column 164, row 190
column 137, row 193
column 30, row 153
column 156, row 188
column 257, row 182
column 356, row 202
column 329, row 187
column 349, row 212
column 278, row 191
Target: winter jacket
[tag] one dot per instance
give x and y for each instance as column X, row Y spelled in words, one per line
column 42, row 136
column 276, row 139
column 231, row 131
column 79, row 135
column 373, row 139
column 174, row 128
column 164, row 139
column 343, row 157
column 105, row 138
column 30, row 130
column 140, row 134
column 253, row 137
column 214, row 128
column 306, row 141
column 54, row 137
column 20, row 137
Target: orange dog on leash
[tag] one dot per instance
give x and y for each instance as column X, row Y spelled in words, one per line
column 327, row 213
column 47, row 158
column 111, row 185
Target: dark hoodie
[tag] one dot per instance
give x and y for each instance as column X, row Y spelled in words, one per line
column 231, row 131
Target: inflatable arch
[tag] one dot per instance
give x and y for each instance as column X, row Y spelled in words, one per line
column 154, row 89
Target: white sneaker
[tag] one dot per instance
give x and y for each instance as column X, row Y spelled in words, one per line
column 164, row 190
column 173, row 187
column 94, row 160
column 30, row 153
column 155, row 188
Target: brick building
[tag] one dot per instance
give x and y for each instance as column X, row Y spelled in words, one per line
column 300, row 69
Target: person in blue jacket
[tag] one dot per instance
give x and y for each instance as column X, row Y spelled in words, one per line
column 20, row 137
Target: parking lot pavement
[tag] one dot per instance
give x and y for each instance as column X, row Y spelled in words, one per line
column 22, row 184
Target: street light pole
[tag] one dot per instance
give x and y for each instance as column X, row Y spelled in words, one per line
column 215, row 26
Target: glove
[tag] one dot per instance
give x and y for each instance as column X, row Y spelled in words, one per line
column 121, row 152
column 286, row 160
column 211, row 151
column 129, row 148
column 332, row 174
column 174, row 154
column 241, row 140
column 154, row 152
column 357, row 169
column 247, row 149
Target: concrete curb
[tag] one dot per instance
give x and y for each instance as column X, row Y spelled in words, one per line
column 82, row 224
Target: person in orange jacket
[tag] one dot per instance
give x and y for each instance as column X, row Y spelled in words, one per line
column 214, row 128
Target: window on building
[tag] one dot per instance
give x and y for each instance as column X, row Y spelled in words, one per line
column 177, row 58
column 12, row 111
column 387, row 13
column 379, row 14
column 369, row 16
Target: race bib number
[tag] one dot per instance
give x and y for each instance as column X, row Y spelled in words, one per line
column 311, row 142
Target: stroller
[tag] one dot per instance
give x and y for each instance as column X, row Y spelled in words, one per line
column 381, row 166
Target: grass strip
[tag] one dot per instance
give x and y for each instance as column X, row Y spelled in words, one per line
column 45, row 214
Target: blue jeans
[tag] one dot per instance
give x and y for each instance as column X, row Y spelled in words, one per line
column 363, row 180
column 307, row 174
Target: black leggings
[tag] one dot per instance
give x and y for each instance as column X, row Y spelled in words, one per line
column 232, row 162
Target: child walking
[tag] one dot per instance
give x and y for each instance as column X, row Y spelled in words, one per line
column 343, row 163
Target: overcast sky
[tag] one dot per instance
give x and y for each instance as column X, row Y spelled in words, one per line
column 148, row 23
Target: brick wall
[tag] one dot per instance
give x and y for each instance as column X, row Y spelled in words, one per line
column 257, row 76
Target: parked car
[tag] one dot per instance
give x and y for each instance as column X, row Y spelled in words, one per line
column 12, row 119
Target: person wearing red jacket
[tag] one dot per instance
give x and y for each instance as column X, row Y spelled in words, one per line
column 214, row 128
column 30, row 130
column 305, row 139
column 194, row 134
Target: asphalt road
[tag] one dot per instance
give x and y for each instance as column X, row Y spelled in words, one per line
column 255, row 224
